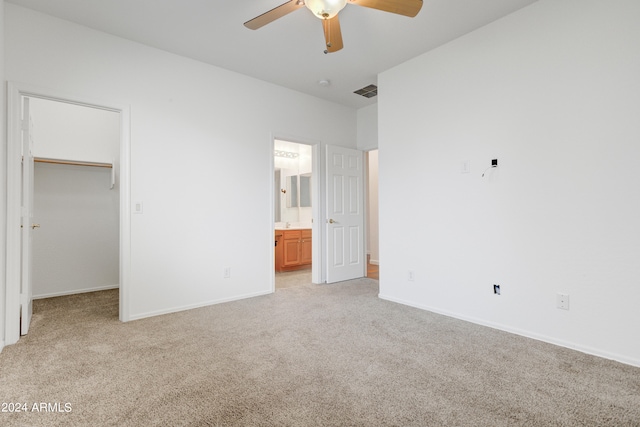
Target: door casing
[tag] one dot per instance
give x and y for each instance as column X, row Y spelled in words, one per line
column 317, row 206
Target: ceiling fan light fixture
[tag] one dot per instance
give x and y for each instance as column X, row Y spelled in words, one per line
column 325, row 9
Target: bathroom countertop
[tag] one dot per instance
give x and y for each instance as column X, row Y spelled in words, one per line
column 293, row 228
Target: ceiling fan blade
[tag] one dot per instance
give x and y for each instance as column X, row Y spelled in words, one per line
column 401, row 7
column 332, row 34
column 273, row 14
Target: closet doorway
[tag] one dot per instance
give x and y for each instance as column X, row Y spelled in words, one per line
column 76, row 198
column 23, row 135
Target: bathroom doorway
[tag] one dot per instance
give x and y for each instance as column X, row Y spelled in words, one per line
column 293, row 213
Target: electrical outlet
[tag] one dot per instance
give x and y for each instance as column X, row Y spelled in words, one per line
column 562, row 301
column 411, row 276
column 227, row 272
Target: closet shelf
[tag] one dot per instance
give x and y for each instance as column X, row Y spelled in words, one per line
column 72, row 162
column 80, row 163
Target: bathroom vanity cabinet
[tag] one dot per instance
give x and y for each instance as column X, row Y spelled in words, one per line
column 293, row 249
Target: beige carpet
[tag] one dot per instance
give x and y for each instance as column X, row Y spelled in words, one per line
column 293, row 278
column 309, row 355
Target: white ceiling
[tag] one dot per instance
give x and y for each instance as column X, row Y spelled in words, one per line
column 288, row 51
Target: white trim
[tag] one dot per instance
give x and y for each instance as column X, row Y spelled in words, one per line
column 14, row 152
column 374, row 262
column 125, row 213
column 76, row 291
column 271, row 216
column 318, row 273
column 15, row 91
column 198, row 305
column 544, row 338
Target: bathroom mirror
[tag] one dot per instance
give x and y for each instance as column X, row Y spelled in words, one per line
column 305, row 190
column 292, row 191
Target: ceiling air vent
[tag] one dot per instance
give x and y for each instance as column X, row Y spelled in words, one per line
column 368, row 91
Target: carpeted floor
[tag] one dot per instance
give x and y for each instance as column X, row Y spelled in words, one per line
column 293, row 278
column 308, row 355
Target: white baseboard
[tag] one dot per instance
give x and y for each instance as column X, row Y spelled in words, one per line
column 75, row 291
column 1, row 345
column 198, row 305
column 562, row 343
column 374, row 262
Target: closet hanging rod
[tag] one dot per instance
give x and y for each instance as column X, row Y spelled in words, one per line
column 72, row 162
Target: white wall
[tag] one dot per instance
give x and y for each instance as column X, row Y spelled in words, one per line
column 75, row 132
column 191, row 125
column 367, row 119
column 76, row 249
column 3, row 182
column 551, row 92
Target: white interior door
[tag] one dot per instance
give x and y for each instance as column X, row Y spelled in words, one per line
column 345, row 214
column 26, row 293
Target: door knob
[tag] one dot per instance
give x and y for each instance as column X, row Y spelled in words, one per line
column 331, row 221
column 35, row 226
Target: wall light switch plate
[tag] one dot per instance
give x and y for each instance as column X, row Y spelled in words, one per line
column 137, row 207
column 465, row 166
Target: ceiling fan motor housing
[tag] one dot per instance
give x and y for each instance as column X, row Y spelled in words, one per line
column 325, row 9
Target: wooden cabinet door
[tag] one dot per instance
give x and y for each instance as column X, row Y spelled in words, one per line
column 291, row 248
column 278, row 249
column 305, row 247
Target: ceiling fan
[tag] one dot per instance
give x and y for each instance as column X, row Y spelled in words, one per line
column 327, row 10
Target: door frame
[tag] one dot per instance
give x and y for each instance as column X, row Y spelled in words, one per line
column 26, row 238
column 15, row 92
column 317, row 206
